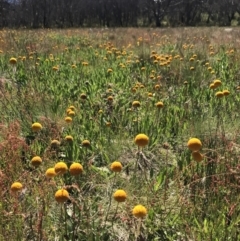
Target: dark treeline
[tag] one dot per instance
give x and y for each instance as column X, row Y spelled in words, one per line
column 117, row 13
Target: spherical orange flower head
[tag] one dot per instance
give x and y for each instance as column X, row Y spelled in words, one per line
column 61, row 196
column 159, row 104
column 55, row 68
column 212, row 86
column 16, row 186
column 217, row 82
column 36, row 127
column 36, row 161
column 133, row 90
column 13, row 61
column 109, row 90
column 116, row 166
column 68, row 119
column 60, row 168
column 83, row 96
column 157, row 87
column 197, row 156
column 68, row 110
column 141, row 140
column 120, row 196
column 226, row 92
column 86, row 143
column 110, row 98
column 69, row 138
column 71, row 107
column 75, row 169
column 194, row 144
column 50, row 173
column 71, row 113
column 139, row 211
column 108, row 123
column 55, row 143
column 136, row 104
column 219, row 94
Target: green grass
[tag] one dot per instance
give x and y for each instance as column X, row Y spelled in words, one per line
column 185, row 199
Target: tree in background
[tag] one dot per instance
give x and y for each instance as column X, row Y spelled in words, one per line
column 116, row 13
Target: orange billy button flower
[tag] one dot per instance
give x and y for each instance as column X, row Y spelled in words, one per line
column 226, row 92
column 217, row 82
column 197, row 156
column 194, row 144
column 212, row 86
column 110, row 98
column 71, row 113
column 50, row 173
column 116, row 166
column 159, row 104
column 69, row 138
column 16, row 186
column 36, row 161
column 61, row 196
column 68, row 110
column 72, row 107
column 141, row 140
column 86, row 143
column 219, row 94
column 139, row 211
column 75, row 169
column 55, row 68
column 13, row 61
column 60, row 168
column 150, row 94
column 68, row 119
column 55, row 143
column 85, row 63
column 36, row 127
column 136, row 104
column 133, row 89
column 120, row 195
column 108, row 123
column 83, row 96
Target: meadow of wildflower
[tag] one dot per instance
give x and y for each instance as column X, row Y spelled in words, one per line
column 120, row 134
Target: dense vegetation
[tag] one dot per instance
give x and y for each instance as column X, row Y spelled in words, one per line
column 118, row 13
column 83, row 97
